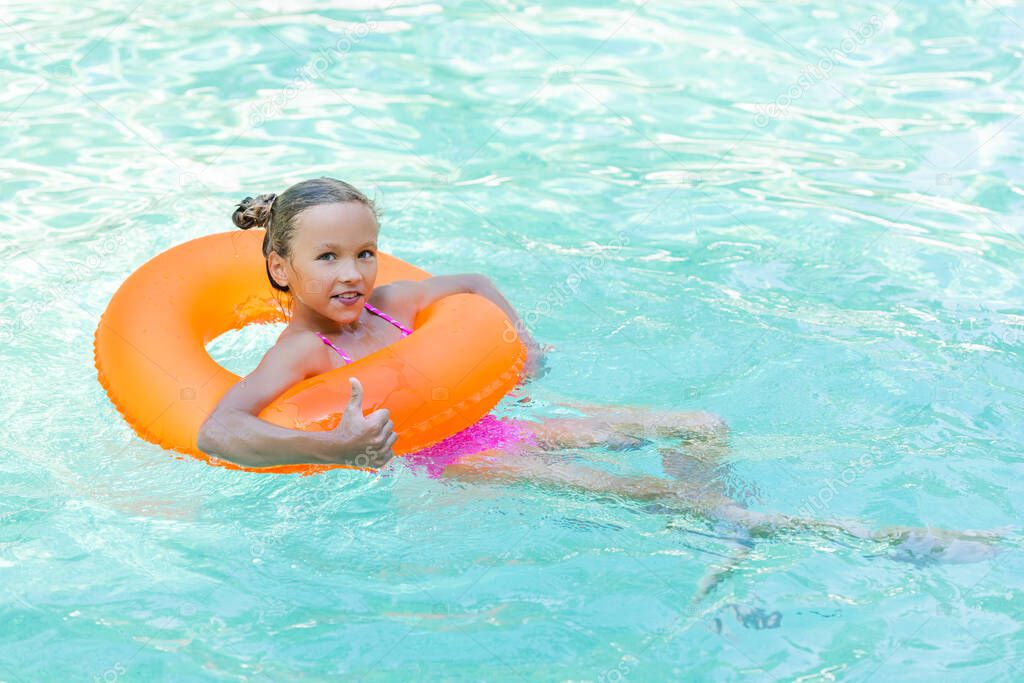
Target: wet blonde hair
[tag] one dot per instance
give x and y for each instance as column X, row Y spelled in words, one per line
column 277, row 213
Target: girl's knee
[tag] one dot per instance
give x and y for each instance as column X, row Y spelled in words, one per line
column 715, row 422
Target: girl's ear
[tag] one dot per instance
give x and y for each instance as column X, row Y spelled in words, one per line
column 276, row 265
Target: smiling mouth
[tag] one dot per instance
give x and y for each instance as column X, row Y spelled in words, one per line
column 347, row 297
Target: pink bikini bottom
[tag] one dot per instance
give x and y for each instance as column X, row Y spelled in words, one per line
column 489, row 433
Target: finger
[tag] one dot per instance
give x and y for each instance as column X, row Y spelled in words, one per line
column 355, row 400
column 384, row 441
column 381, row 440
column 380, row 416
column 378, row 456
column 384, row 451
column 382, row 458
column 382, row 434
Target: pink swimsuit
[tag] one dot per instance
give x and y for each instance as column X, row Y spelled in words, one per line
column 487, row 434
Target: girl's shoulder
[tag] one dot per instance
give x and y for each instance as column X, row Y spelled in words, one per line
column 395, row 293
column 302, row 348
column 397, row 299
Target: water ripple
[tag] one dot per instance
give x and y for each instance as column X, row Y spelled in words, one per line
column 803, row 217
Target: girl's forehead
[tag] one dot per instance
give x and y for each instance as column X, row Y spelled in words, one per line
column 342, row 223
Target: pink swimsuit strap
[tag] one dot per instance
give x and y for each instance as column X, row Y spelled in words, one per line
column 405, row 331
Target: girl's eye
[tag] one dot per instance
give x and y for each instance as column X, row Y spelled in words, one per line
column 325, row 255
column 369, row 254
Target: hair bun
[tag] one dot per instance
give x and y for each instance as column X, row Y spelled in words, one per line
column 254, row 213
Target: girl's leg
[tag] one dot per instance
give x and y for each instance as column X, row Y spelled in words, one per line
column 650, row 421
column 704, row 435
column 554, row 434
column 907, row 543
column 550, row 469
column 542, row 468
column 600, row 423
column 917, row 545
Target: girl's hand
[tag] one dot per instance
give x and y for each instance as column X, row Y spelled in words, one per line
column 536, row 360
column 425, row 292
column 363, row 441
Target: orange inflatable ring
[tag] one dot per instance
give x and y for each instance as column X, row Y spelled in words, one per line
column 150, row 353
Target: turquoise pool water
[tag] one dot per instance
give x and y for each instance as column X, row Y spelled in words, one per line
column 805, row 219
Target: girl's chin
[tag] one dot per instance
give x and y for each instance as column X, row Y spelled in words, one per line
column 342, row 317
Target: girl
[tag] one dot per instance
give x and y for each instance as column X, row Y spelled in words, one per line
column 321, row 250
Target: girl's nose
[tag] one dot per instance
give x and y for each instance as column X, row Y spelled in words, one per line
column 347, row 271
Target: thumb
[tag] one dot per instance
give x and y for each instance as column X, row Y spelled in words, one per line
column 355, row 401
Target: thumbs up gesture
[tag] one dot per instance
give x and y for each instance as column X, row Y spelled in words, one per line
column 362, row 440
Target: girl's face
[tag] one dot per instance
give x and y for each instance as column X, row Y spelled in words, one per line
column 334, row 260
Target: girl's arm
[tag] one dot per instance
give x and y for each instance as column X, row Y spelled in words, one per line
column 426, row 292
column 233, row 431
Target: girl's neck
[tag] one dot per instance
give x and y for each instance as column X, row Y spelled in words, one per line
column 306, row 318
